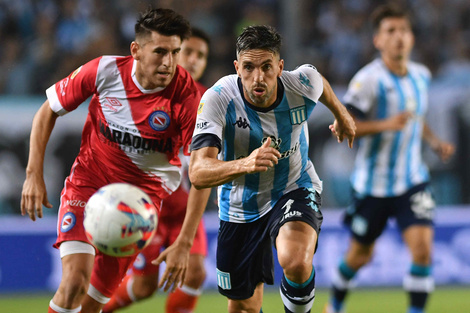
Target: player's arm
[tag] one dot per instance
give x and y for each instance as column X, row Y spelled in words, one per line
column 34, row 194
column 343, row 125
column 442, row 148
column 206, row 171
column 371, row 127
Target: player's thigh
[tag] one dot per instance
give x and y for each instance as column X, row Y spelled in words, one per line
column 415, row 207
column 77, row 259
column 250, row 305
column 79, row 266
column 367, row 217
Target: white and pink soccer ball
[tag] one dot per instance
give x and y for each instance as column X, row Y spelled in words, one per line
column 120, row 219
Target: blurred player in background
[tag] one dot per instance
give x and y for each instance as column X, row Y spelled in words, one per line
column 269, row 192
column 389, row 99
column 142, row 111
column 142, row 282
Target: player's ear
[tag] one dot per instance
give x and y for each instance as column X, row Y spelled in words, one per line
column 135, row 50
column 235, row 63
column 281, row 67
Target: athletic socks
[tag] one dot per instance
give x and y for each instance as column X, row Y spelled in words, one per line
column 341, row 283
column 182, row 300
column 298, row 298
column 419, row 284
column 122, row 297
column 53, row 308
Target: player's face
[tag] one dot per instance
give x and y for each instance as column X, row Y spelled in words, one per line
column 259, row 70
column 194, row 52
column 157, row 56
column 394, row 38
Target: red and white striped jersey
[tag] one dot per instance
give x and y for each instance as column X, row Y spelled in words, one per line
column 131, row 134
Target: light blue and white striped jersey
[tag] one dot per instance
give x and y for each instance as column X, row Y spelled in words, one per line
column 241, row 128
column 389, row 163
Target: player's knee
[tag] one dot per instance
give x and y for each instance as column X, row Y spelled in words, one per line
column 296, row 269
column 421, row 254
column 145, row 289
column 242, row 307
column 74, row 286
column 195, row 277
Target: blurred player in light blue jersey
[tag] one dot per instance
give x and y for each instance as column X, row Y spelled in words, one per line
column 389, row 100
column 269, row 192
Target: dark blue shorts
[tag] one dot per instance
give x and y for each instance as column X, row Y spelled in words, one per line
column 244, row 250
column 367, row 217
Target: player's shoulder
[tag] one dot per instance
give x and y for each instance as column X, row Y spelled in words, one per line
column 372, row 68
column 109, row 65
column 300, row 73
column 184, row 83
column 226, row 87
column 419, row 69
column 369, row 73
column 303, row 79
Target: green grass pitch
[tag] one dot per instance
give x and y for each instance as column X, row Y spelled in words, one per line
column 444, row 300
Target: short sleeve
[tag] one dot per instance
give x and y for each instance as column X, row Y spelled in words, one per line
column 305, row 80
column 361, row 93
column 67, row 94
column 210, row 116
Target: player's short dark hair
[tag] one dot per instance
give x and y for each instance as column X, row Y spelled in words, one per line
column 199, row 33
column 388, row 10
column 262, row 37
column 163, row 21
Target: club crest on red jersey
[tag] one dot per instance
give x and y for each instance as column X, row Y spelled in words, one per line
column 159, row 120
column 68, row 222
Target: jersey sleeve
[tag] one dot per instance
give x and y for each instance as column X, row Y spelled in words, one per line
column 361, row 93
column 67, row 94
column 210, row 121
column 188, row 120
column 306, row 80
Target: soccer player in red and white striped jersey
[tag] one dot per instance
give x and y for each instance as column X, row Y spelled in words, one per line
column 142, row 282
column 142, row 111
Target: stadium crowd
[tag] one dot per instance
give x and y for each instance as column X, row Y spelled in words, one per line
column 48, row 39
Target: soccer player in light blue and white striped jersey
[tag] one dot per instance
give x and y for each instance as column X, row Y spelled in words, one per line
column 389, row 99
column 251, row 140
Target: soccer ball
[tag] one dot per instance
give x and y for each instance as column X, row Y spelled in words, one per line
column 120, row 219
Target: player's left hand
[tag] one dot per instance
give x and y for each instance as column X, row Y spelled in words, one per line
column 176, row 258
column 444, row 149
column 344, row 128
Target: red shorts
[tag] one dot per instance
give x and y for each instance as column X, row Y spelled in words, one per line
column 107, row 271
column 169, row 226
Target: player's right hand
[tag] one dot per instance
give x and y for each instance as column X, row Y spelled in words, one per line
column 398, row 121
column 33, row 197
column 262, row 158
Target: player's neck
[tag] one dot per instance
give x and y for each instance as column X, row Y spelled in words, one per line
column 398, row 66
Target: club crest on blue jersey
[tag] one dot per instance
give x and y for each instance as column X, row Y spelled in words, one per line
column 298, row 115
column 68, row 222
column 159, row 120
